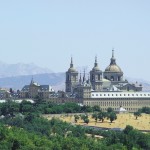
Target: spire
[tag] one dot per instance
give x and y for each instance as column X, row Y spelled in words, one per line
column 113, row 60
column 96, row 68
column 112, row 53
column 71, row 64
column 80, row 80
column 88, row 81
column 96, row 64
column 32, row 81
column 84, row 79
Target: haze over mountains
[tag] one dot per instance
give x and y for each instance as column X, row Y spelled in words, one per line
column 17, row 75
column 9, row 70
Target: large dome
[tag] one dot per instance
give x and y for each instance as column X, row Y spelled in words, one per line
column 113, row 68
column 72, row 69
column 96, row 68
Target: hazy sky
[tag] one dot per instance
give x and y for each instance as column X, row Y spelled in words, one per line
column 48, row 32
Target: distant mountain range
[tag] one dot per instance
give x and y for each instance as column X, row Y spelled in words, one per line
column 17, row 75
column 10, row 70
column 145, row 84
column 56, row 80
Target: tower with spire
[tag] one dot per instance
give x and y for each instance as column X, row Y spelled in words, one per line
column 71, row 78
column 96, row 77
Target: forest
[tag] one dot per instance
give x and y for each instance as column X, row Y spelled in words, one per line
column 23, row 128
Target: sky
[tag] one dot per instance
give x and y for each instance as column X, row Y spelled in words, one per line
column 49, row 32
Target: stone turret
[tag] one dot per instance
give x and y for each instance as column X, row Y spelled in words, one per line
column 71, row 78
column 96, row 77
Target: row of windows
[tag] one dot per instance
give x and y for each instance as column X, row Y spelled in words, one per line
column 129, row 103
column 120, row 95
column 128, row 109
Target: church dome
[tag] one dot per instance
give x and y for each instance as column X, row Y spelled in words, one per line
column 113, row 68
column 96, row 68
column 72, row 69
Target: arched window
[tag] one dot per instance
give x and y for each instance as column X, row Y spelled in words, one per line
column 118, row 78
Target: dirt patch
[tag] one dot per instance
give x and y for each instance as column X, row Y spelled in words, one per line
column 142, row 123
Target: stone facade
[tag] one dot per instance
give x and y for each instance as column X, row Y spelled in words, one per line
column 96, row 77
column 111, row 82
column 71, row 78
column 34, row 89
column 4, row 94
column 105, row 89
column 130, row 104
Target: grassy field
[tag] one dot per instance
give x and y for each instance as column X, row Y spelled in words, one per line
column 142, row 123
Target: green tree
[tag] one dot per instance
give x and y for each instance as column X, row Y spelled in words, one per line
column 95, row 116
column 128, row 129
column 137, row 114
column 38, row 99
column 109, row 110
column 102, row 116
column 76, row 118
column 86, row 109
column 9, row 108
column 84, row 117
column 96, row 108
column 86, row 120
column 145, row 110
column 26, row 106
column 112, row 116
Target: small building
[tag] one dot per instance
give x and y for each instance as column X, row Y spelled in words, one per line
column 34, row 89
column 4, row 94
column 121, row 110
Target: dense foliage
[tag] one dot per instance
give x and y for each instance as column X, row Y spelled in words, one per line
column 145, row 110
column 43, row 108
column 34, row 132
column 22, row 128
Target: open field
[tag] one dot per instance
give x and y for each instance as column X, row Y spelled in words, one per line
column 142, row 123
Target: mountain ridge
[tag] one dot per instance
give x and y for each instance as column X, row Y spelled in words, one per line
column 56, row 80
column 17, row 75
column 18, row 69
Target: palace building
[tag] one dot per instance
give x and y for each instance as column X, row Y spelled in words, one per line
column 111, row 79
column 106, row 89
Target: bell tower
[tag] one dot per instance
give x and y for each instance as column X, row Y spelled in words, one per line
column 96, row 77
column 71, row 78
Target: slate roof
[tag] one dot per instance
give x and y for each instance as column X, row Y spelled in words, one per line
column 41, row 88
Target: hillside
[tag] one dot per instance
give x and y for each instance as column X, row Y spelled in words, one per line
column 56, row 80
column 9, row 70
